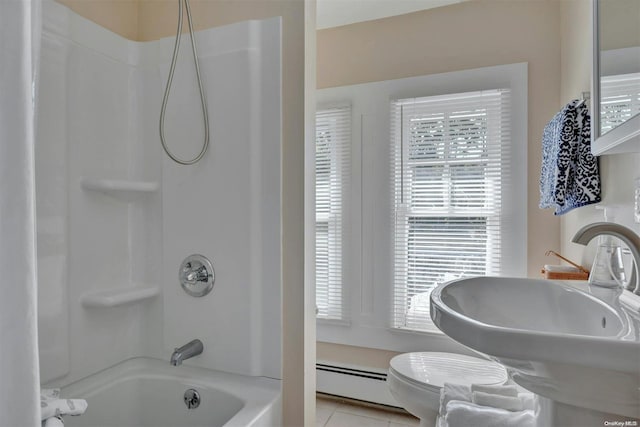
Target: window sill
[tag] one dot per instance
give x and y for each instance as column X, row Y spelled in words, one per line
column 431, row 332
column 332, row 322
column 385, row 338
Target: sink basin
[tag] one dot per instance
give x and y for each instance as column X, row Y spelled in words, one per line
column 567, row 341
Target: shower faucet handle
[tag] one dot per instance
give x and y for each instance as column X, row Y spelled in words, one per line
column 196, row 275
column 199, row 274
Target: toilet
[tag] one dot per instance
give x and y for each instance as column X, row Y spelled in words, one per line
column 415, row 379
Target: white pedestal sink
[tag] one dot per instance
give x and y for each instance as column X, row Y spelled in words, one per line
column 575, row 345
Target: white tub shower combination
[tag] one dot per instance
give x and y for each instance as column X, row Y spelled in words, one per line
column 116, row 218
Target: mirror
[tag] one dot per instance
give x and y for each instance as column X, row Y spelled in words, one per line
column 616, row 84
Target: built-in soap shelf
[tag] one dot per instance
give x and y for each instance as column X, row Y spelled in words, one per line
column 119, row 296
column 125, row 190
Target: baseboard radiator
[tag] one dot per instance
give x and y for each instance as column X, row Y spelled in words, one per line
column 361, row 383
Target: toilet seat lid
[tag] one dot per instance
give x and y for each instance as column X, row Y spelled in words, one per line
column 432, row 370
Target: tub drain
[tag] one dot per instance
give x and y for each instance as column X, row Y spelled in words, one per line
column 192, row 398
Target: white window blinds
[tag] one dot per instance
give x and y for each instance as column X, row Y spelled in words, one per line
column 450, row 164
column 333, row 141
column 619, row 100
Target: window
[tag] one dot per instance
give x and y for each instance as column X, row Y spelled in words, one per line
column 620, row 100
column 437, row 189
column 449, row 167
column 333, row 141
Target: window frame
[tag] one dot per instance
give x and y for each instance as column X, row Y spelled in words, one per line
column 368, row 273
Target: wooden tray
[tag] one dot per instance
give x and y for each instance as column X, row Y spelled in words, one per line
column 565, row 275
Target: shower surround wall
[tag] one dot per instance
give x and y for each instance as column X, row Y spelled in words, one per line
column 99, row 104
column 227, row 206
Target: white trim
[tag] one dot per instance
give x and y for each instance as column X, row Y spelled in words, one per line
column 625, row 138
column 370, row 276
column 355, row 382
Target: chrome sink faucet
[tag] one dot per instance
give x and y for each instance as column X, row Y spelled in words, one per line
column 187, row 351
column 631, row 239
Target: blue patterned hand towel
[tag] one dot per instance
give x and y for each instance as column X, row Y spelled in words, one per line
column 569, row 178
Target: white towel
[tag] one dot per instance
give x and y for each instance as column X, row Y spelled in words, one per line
column 465, row 414
column 497, row 401
column 440, row 422
column 529, row 400
column 49, row 393
column 451, row 392
column 53, row 422
column 502, row 390
column 52, row 405
column 58, row 407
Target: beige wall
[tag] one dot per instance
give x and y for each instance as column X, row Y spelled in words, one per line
column 152, row 19
column 119, row 16
column 462, row 36
column 617, row 172
column 575, row 45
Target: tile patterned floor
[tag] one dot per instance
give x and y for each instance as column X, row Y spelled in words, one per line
column 338, row 413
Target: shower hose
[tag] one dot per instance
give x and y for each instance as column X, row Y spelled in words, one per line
column 203, row 100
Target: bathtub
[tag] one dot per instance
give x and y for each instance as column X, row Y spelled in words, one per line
column 144, row 392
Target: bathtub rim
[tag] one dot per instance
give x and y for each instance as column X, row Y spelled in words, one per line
column 260, row 396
